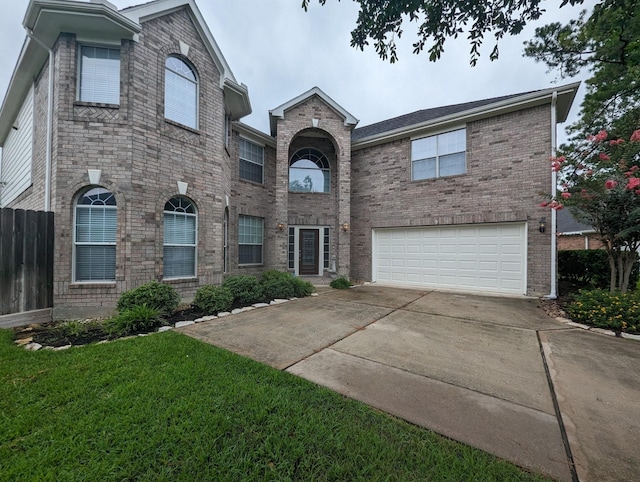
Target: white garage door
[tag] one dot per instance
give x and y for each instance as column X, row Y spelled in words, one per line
column 484, row 257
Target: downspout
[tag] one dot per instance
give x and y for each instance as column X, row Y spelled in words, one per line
column 47, row 169
column 554, row 188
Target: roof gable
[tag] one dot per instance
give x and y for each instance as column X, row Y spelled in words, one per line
column 278, row 112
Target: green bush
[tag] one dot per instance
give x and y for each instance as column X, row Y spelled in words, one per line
column 340, row 283
column 137, row 319
column 302, row 288
column 213, row 299
column 154, row 295
column 246, row 290
column 589, row 268
column 279, row 288
column 600, row 308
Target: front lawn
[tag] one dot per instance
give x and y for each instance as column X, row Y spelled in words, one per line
column 167, row 407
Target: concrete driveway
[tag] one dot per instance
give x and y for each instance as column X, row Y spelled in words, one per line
column 495, row 373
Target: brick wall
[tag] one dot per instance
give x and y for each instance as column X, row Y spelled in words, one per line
column 141, row 156
column 507, row 168
column 590, row 241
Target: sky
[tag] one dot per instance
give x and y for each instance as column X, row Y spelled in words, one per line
column 280, row 51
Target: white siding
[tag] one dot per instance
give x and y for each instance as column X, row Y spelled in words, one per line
column 15, row 164
column 484, row 257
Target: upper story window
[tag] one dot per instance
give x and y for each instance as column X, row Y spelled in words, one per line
column 251, row 161
column 99, row 75
column 309, row 171
column 180, row 93
column 439, row 156
column 180, row 238
column 95, row 236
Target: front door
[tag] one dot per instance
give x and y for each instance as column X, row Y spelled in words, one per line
column 308, row 262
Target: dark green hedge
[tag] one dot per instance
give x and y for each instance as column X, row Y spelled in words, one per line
column 589, row 268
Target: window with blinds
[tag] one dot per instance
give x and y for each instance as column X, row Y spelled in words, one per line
column 180, row 93
column 251, row 161
column 250, row 239
column 180, row 238
column 99, row 75
column 95, row 236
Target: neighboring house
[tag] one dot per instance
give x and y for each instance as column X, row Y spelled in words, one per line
column 572, row 234
column 140, row 153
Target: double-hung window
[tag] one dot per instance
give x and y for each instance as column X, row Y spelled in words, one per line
column 180, row 93
column 99, row 75
column 251, row 161
column 180, row 238
column 95, row 236
column 250, row 239
column 439, row 156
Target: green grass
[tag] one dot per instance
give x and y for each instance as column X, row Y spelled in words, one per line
column 167, row 408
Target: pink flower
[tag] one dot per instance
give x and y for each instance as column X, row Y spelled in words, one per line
column 604, row 157
column 544, row 205
column 566, row 195
column 616, row 142
column 633, row 168
column 610, row 184
column 635, row 137
column 599, row 137
column 634, row 182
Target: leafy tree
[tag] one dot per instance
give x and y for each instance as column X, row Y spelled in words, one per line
column 599, row 172
column 600, row 184
column 380, row 21
column 608, row 43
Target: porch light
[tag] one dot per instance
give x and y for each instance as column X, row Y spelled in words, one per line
column 280, row 226
column 345, row 227
column 543, row 225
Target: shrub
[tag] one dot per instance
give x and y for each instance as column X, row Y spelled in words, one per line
column 213, row 299
column 161, row 296
column 614, row 311
column 133, row 320
column 340, row 283
column 282, row 288
column 302, row 288
column 589, row 268
column 246, row 290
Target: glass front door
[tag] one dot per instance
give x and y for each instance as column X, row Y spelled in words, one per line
column 308, row 261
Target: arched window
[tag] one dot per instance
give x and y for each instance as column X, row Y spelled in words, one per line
column 180, row 93
column 309, row 171
column 95, row 236
column 180, row 238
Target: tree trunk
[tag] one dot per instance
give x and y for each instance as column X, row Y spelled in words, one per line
column 630, row 260
column 612, row 267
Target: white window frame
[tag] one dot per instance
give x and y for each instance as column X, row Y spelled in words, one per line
column 90, row 96
column 77, row 244
column 438, row 154
column 193, row 245
column 321, row 162
column 181, row 117
column 257, row 162
column 261, row 244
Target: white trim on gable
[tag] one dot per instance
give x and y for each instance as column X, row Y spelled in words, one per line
column 278, row 112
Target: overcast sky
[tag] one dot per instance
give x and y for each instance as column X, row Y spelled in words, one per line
column 279, row 52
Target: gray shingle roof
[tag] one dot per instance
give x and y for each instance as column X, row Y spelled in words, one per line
column 424, row 115
column 568, row 224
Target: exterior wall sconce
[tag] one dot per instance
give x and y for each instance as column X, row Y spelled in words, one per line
column 280, row 226
column 345, row 227
column 543, row 225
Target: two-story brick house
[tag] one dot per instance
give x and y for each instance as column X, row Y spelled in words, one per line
column 127, row 125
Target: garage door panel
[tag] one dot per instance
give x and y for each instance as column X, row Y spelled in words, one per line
column 477, row 257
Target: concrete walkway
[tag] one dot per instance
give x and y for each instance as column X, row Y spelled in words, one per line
column 495, row 373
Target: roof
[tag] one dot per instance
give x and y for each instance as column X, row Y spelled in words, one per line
column 415, row 122
column 567, row 224
column 421, row 116
column 279, row 111
column 100, row 21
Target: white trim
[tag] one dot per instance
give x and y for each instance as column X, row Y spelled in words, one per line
column 296, row 247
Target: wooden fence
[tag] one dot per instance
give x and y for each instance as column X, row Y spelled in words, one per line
column 26, row 261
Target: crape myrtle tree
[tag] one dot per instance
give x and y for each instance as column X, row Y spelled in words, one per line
column 601, row 185
column 598, row 168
